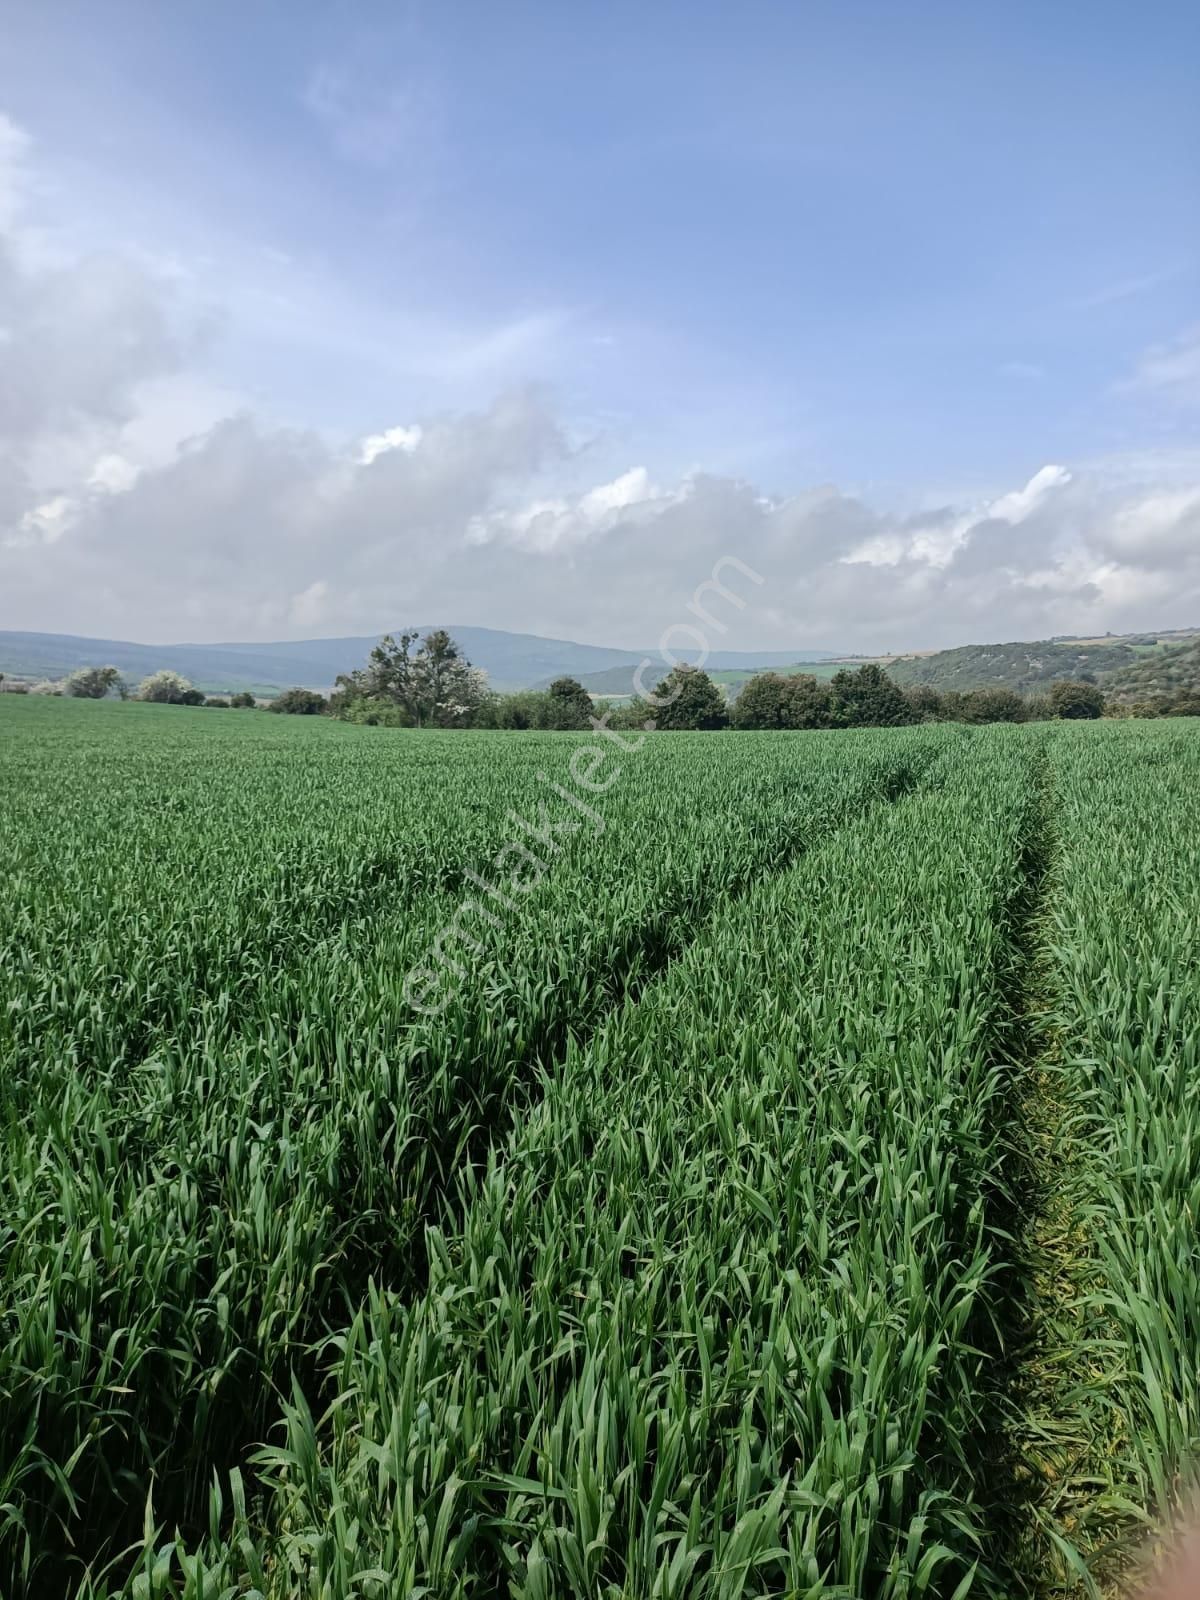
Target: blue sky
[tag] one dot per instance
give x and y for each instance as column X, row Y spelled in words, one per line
column 918, row 253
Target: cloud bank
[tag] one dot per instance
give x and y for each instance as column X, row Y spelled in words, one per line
column 241, row 528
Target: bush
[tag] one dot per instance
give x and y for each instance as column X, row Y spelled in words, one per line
column 776, row 700
column 630, row 715
column 1076, row 701
column 300, row 703
column 92, row 683
column 925, row 704
column 243, row 701
column 217, row 704
column 168, row 688
column 568, row 705
column 688, row 700
column 761, row 703
column 527, row 709
column 868, row 699
column 994, row 705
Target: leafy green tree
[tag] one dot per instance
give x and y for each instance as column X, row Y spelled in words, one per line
column 782, row 700
column 867, row 698
column 927, row 705
column 687, row 698
column 435, row 685
column 529, row 708
column 568, row 705
column 243, row 700
column 630, row 716
column 762, row 702
column 91, row 683
column 993, row 705
column 809, row 702
column 168, row 688
column 300, row 703
column 1075, row 701
column 215, row 703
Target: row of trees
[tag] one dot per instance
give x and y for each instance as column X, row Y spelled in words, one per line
column 411, row 682
column 85, row 683
column 160, row 688
column 868, row 698
column 168, row 688
column 417, row 683
column 1179, row 703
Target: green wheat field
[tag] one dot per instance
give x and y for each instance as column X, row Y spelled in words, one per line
column 790, row 1188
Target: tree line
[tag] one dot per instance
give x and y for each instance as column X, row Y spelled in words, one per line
column 409, row 681
column 160, row 688
column 412, row 682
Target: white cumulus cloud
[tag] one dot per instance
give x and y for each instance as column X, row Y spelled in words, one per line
column 138, row 498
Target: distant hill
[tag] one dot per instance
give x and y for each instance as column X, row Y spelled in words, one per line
column 1028, row 666
column 724, row 666
column 1129, row 665
column 1158, row 675
column 511, row 660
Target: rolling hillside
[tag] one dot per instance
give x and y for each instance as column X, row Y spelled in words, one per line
column 1021, row 666
column 1134, row 662
column 1160, row 674
column 1129, row 666
column 511, row 660
column 730, row 667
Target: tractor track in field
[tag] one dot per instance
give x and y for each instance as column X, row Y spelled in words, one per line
column 1031, row 1443
column 642, row 958
column 646, row 956
column 1052, row 1545
column 402, row 1264
column 1008, row 1475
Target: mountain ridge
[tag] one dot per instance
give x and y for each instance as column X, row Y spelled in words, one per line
column 511, row 660
column 1131, row 662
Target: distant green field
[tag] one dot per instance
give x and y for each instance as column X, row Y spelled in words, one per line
column 781, row 1179
column 816, row 669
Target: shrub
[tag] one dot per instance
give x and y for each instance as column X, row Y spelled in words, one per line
column 568, row 705
column 762, row 702
column 993, row 705
column 776, row 700
column 300, row 703
column 868, row 698
column 91, row 683
column 688, row 699
column 168, row 688
column 526, row 709
column 1075, row 701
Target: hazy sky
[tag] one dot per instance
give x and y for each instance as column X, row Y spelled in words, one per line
column 317, row 319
